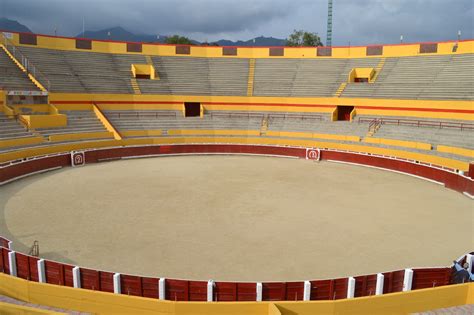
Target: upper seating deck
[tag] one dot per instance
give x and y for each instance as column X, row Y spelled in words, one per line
column 11, row 77
column 420, row 77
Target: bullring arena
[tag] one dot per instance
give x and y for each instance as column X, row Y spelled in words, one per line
column 167, row 179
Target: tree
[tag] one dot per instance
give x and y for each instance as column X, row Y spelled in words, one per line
column 303, row 39
column 178, row 40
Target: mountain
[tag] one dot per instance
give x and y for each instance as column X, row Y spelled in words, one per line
column 258, row 41
column 12, row 25
column 120, row 34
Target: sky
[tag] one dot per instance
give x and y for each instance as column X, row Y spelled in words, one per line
column 355, row 22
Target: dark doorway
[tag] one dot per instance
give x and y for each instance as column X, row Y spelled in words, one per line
column 361, row 80
column 192, row 109
column 344, row 112
column 143, row 76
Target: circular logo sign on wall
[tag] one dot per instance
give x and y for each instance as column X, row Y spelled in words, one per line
column 78, row 158
column 313, row 154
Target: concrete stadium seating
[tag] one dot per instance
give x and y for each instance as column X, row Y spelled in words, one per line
column 77, row 122
column 426, row 77
column 11, row 77
column 304, row 77
column 11, row 129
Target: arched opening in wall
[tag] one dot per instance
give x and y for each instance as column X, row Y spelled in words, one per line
column 344, row 112
column 192, row 109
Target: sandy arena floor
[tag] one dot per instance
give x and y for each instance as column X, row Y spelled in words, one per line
column 237, row 218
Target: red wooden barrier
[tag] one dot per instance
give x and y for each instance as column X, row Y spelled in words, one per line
column 430, row 277
column 393, row 281
column 106, row 281
column 131, row 285
column 294, row 291
column 197, row 290
column 274, row 291
column 6, row 265
column 150, row 287
column 225, row 291
column 89, row 279
column 246, row 291
column 177, row 290
column 365, row 285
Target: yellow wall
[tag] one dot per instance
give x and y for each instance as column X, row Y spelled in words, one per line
column 44, row 121
column 143, row 70
column 399, row 143
column 455, row 150
column 80, row 136
column 366, row 73
column 108, row 303
column 20, row 142
column 383, row 107
column 247, row 52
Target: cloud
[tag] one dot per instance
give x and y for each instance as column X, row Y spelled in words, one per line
column 355, row 21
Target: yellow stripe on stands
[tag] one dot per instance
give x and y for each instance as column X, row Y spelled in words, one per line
column 29, row 152
column 107, row 124
column 399, row 143
column 455, row 150
column 204, row 132
column 288, row 134
column 20, row 142
column 97, row 302
column 81, row 136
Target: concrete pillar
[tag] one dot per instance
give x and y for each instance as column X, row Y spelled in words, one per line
column 259, row 288
column 210, row 290
column 76, row 277
column 351, row 285
column 12, row 263
column 161, row 289
column 117, row 288
column 41, row 271
column 379, row 285
column 408, row 280
column 307, row 291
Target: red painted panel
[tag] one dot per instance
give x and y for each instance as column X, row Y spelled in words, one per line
column 365, row 285
column 33, row 166
column 197, row 290
column 89, row 279
column 33, row 263
column 340, row 288
column 54, row 272
column 225, row 291
column 150, row 287
column 106, row 281
column 22, row 266
column 294, row 291
column 6, row 265
column 431, row 277
column 275, row 291
column 393, row 281
column 68, row 277
column 322, row 290
column 2, row 264
column 131, row 285
column 246, row 291
column 3, row 241
column 177, row 290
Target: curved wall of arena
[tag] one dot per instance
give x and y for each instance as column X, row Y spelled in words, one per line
column 40, row 270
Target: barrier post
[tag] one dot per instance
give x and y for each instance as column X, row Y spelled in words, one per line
column 210, row 290
column 351, row 284
column 408, row 280
column 76, row 277
column 41, row 271
column 470, row 261
column 12, row 263
column 117, row 288
column 161, row 289
column 379, row 285
column 259, row 288
column 307, row 291
column 10, row 245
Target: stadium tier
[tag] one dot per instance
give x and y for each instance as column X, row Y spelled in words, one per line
column 406, row 108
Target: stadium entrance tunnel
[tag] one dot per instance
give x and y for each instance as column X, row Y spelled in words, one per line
column 344, row 112
column 192, row 109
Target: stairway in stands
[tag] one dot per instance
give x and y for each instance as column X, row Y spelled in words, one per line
column 251, row 77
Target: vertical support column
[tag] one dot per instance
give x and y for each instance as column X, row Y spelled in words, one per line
column 12, row 263
column 117, row 288
column 408, row 280
column 379, row 285
column 351, row 285
column 76, row 277
column 161, row 289
column 10, row 245
column 41, row 271
column 210, row 290
column 259, row 288
column 307, row 291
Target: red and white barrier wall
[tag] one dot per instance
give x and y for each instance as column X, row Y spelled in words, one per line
column 40, row 270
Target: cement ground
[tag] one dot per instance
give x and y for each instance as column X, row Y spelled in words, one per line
column 237, row 218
